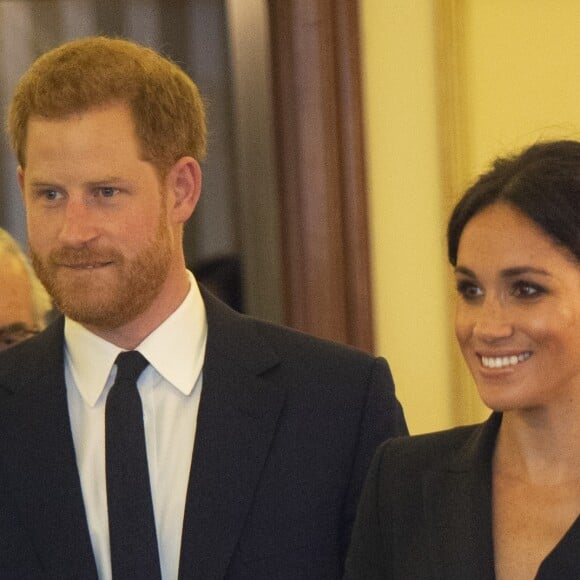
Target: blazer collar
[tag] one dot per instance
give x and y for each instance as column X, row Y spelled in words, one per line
column 235, row 336
column 457, row 500
column 238, row 414
column 36, row 443
column 477, row 452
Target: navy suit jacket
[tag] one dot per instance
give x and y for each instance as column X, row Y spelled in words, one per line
column 287, row 427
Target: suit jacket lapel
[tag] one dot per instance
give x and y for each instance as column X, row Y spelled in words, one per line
column 458, row 509
column 237, row 419
column 38, row 450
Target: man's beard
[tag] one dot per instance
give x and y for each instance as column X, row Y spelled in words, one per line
column 104, row 301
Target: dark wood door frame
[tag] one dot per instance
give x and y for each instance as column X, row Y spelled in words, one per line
column 316, row 75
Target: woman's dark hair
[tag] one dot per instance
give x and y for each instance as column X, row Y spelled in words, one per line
column 542, row 182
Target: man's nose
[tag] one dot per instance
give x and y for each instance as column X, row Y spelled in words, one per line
column 79, row 224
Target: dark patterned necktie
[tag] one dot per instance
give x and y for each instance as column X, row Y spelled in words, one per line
column 132, row 536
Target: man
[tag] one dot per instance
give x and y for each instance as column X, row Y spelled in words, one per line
column 24, row 303
column 257, row 438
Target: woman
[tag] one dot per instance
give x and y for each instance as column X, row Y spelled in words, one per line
column 501, row 499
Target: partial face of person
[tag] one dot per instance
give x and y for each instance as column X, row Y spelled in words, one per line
column 15, row 293
column 99, row 233
column 16, row 310
column 518, row 311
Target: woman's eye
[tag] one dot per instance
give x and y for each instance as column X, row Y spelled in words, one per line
column 523, row 289
column 469, row 290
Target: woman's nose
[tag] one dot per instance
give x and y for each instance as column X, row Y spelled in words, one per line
column 492, row 321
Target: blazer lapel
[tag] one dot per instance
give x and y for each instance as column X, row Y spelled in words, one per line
column 458, row 509
column 237, row 419
column 38, row 449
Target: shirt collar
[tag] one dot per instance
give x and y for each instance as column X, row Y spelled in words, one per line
column 175, row 349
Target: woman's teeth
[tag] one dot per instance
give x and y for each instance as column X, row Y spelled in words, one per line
column 498, row 362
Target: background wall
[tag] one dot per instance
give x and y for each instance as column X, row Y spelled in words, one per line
column 449, row 85
column 522, row 81
column 408, row 267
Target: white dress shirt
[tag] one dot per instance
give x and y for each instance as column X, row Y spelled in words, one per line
column 170, row 389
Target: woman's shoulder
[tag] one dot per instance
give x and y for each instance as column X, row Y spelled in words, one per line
column 426, row 451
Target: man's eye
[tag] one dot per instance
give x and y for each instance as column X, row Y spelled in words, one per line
column 469, row 290
column 108, row 191
column 51, row 194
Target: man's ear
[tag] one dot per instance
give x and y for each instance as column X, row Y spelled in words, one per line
column 20, row 176
column 183, row 184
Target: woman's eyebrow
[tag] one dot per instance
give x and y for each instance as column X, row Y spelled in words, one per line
column 512, row 272
column 465, row 271
column 520, row 270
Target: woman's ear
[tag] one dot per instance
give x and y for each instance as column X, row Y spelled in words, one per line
column 183, row 183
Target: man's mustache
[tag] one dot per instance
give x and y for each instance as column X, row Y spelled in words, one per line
column 83, row 256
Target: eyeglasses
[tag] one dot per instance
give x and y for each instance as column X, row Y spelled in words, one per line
column 15, row 333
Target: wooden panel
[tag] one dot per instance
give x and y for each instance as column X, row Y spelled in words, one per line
column 317, row 108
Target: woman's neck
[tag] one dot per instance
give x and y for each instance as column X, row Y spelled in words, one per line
column 540, row 446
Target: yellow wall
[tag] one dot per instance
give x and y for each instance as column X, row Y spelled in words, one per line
column 517, row 81
column 406, row 216
column 523, row 75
